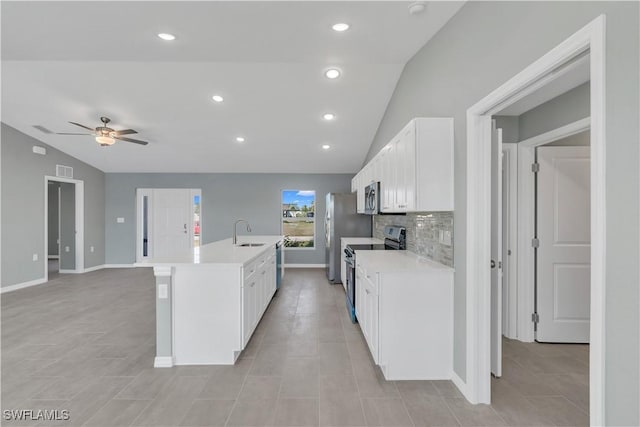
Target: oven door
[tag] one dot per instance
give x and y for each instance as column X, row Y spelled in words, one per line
column 351, row 286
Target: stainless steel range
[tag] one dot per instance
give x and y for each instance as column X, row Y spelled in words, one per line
column 395, row 238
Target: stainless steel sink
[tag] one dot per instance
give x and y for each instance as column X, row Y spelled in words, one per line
column 250, row 245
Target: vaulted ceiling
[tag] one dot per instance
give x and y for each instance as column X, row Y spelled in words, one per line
column 79, row 60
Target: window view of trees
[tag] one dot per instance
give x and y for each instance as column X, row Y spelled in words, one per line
column 298, row 218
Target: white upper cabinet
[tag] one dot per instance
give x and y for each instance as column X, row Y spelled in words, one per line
column 415, row 168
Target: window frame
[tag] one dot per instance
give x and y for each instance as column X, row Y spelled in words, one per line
column 315, row 231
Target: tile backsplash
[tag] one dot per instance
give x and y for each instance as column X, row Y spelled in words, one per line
column 429, row 234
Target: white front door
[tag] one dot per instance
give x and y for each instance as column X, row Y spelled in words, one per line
column 172, row 218
column 496, row 251
column 563, row 285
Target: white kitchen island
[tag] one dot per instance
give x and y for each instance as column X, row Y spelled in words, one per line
column 209, row 301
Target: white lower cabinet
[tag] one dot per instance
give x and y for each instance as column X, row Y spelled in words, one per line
column 407, row 320
column 259, row 285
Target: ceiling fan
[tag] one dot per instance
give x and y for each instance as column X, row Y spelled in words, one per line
column 105, row 135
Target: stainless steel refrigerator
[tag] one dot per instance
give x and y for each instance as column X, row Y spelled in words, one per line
column 341, row 220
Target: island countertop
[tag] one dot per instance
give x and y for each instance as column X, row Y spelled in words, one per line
column 222, row 252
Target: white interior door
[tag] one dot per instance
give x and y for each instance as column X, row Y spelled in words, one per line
column 563, row 287
column 172, row 219
column 496, row 251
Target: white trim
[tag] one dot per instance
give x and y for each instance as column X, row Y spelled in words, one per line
column 163, row 362
column 478, row 284
column 305, row 265
column 70, row 271
column 510, row 170
column 559, row 133
column 94, row 268
column 23, row 285
column 120, row 266
column 53, row 256
column 79, row 226
column 462, row 386
column 526, row 253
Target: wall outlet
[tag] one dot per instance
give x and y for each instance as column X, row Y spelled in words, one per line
column 445, row 237
column 163, row 291
column 67, row 249
column 120, row 220
column 35, row 257
column 91, row 249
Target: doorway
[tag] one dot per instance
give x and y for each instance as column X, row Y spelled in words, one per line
column 589, row 40
column 168, row 222
column 63, row 226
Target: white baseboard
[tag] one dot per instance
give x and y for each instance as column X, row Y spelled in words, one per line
column 94, row 268
column 462, row 386
column 119, row 266
column 163, row 362
column 305, row 266
column 22, row 285
column 70, row 271
column 53, row 256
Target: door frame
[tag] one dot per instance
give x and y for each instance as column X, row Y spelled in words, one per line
column 526, row 221
column 79, row 212
column 510, row 240
column 590, row 38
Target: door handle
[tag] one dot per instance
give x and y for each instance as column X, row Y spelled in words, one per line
column 493, row 264
column 185, row 229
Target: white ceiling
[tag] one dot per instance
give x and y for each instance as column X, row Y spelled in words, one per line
column 77, row 61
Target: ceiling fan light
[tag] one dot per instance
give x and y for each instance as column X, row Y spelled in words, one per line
column 105, row 140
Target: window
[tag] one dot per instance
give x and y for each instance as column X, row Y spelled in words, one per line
column 298, row 218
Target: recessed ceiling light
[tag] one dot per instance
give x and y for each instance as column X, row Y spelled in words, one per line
column 239, row 139
column 329, row 116
column 340, row 27
column 332, row 73
column 326, row 146
column 166, row 36
column 217, row 98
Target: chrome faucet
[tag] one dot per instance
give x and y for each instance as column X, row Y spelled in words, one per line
column 235, row 231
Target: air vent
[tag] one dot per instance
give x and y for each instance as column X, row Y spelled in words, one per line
column 64, row 171
column 42, row 129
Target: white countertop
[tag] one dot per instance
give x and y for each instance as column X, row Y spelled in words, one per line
column 361, row 241
column 222, row 252
column 398, row 261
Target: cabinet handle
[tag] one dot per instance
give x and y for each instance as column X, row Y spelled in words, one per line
column 263, row 272
column 402, row 206
column 367, row 291
column 252, row 284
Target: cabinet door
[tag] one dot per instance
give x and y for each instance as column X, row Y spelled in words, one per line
column 360, row 300
column 248, row 309
column 359, row 193
column 388, row 181
column 372, row 319
column 405, row 167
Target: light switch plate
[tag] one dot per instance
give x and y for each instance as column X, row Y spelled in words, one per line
column 163, row 291
column 67, row 249
column 35, row 257
column 91, row 249
column 120, row 220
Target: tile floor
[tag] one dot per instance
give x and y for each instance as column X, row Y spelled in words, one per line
column 85, row 343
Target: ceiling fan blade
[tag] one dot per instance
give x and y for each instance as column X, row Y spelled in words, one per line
column 123, row 132
column 67, row 133
column 83, row 126
column 135, row 141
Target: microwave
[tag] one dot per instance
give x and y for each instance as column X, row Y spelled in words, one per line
column 372, row 198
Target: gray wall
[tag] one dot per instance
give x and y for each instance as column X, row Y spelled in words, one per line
column 480, row 48
column 561, row 110
column 53, row 226
column 225, row 198
column 23, row 190
column 67, row 226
